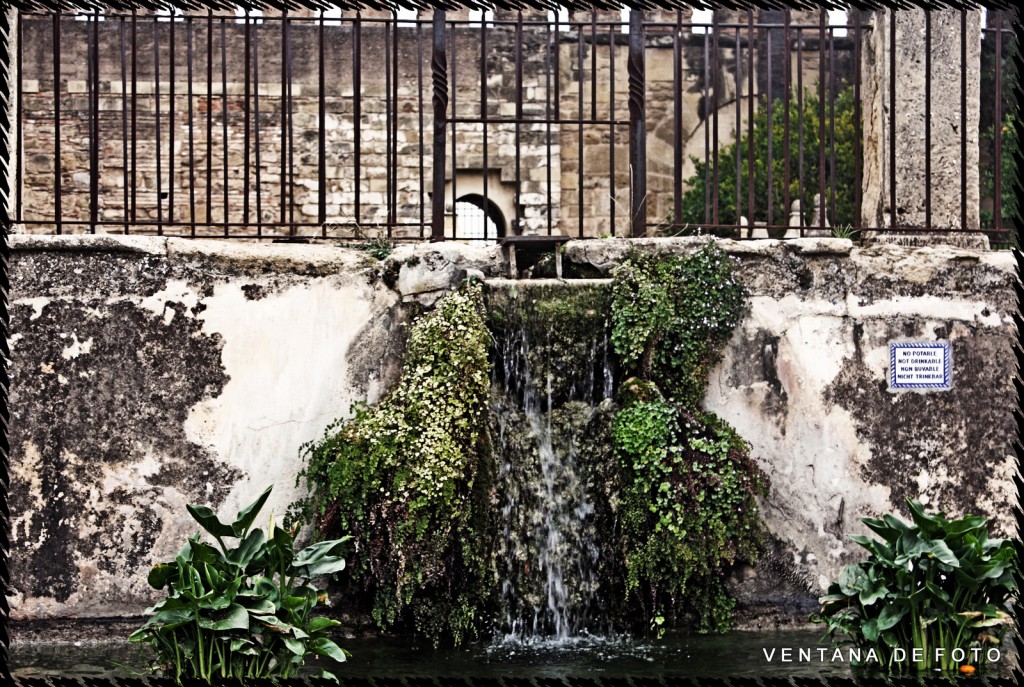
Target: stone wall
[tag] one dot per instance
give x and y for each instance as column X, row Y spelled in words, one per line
column 910, row 142
column 149, row 373
column 562, row 166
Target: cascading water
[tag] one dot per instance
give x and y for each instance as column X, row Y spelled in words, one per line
column 552, row 371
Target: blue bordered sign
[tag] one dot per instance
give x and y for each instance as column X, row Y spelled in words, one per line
column 923, row 366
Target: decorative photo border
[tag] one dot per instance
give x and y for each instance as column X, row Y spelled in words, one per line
column 6, row 221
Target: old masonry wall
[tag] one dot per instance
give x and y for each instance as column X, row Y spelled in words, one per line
column 149, row 373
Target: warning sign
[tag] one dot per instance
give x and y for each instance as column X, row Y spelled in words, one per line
column 921, row 365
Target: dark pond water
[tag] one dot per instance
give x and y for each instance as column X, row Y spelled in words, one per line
column 738, row 654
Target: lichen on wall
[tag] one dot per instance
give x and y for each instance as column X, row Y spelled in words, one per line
column 150, row 373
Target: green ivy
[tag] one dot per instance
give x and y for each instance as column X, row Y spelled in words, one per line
column 402, row 478
column 690, row 486
column 671, row 317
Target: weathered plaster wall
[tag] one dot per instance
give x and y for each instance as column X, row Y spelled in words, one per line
column 805, row 380
column 152, row 373
column 149, row 373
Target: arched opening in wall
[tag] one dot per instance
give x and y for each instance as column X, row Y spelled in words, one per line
column 478, row 219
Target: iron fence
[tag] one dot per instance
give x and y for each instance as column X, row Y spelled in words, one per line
column 584, row 124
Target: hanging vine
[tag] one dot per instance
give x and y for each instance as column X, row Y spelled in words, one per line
column 690, row 487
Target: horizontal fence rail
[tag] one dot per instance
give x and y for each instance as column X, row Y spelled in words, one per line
column 450, row 125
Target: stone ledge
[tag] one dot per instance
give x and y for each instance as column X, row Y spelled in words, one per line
column 105, row 243
column 303, row 258
column 957, row 239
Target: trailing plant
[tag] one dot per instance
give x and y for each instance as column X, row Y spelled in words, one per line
column 672, row 315
column 242, row 611
column 689, row 507
column 934, row 585
column 404, row 478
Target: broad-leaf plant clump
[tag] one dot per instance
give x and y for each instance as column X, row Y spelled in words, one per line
column 241, row 611
column 932, row 594
column 689, row 508
column 408, row 480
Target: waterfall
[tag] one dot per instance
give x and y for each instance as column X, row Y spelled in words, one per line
column 552, row 371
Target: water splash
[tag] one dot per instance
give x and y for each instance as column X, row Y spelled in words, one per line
column 549, row 379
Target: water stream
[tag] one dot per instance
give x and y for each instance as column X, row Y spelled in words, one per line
column 552, row 370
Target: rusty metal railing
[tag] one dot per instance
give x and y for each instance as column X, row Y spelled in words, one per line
column 293, row 127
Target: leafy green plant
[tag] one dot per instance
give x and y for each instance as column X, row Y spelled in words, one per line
column 404, row 477
column 689, row 507
column 379, row 246
column 845, row 232
column 672, row 315
column 1009, row 194
column 242, row 611
column 934, row 585
column 692, row 204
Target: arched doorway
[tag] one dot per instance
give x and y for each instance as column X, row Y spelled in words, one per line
column 478, row 219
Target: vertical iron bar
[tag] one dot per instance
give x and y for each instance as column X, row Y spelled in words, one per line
column 858, row 143
column 422, row 131
column 191, row 134
column 57, row 210
column 677, row 121
column 321, row 143
column 256, row 128
column 800, row 125
column 637, row 125
column 156, row 101
column 558, row 81
column 224, row 120
column 284, row 114
column 124, row 120
column 963, row 119
column 209, row 118
column 518, row 125
column 357, row 116
column 19, row 135
column 439, row 76
column 94, row 124
column 388, row 178
column 394, row 125
column 593, row 65
column 171, row 159
column 892, row 118
column 739, row 115
column 135, row 91
column 927, row 119
column 787, row 99
column 831, row 209
column 579, row 127
column 454, row 97
column 707, row 131
column 291, row 127
column 389, row 114
column 483, row 104
column 750, row 119
column 246, row 124
column 997, row 126
column 714, row 120
column 771, row 129
column 739, row 128
column 611, row 118
column 547, row 127
column 821, row 118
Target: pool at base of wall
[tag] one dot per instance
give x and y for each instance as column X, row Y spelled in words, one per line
column 734, row 655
